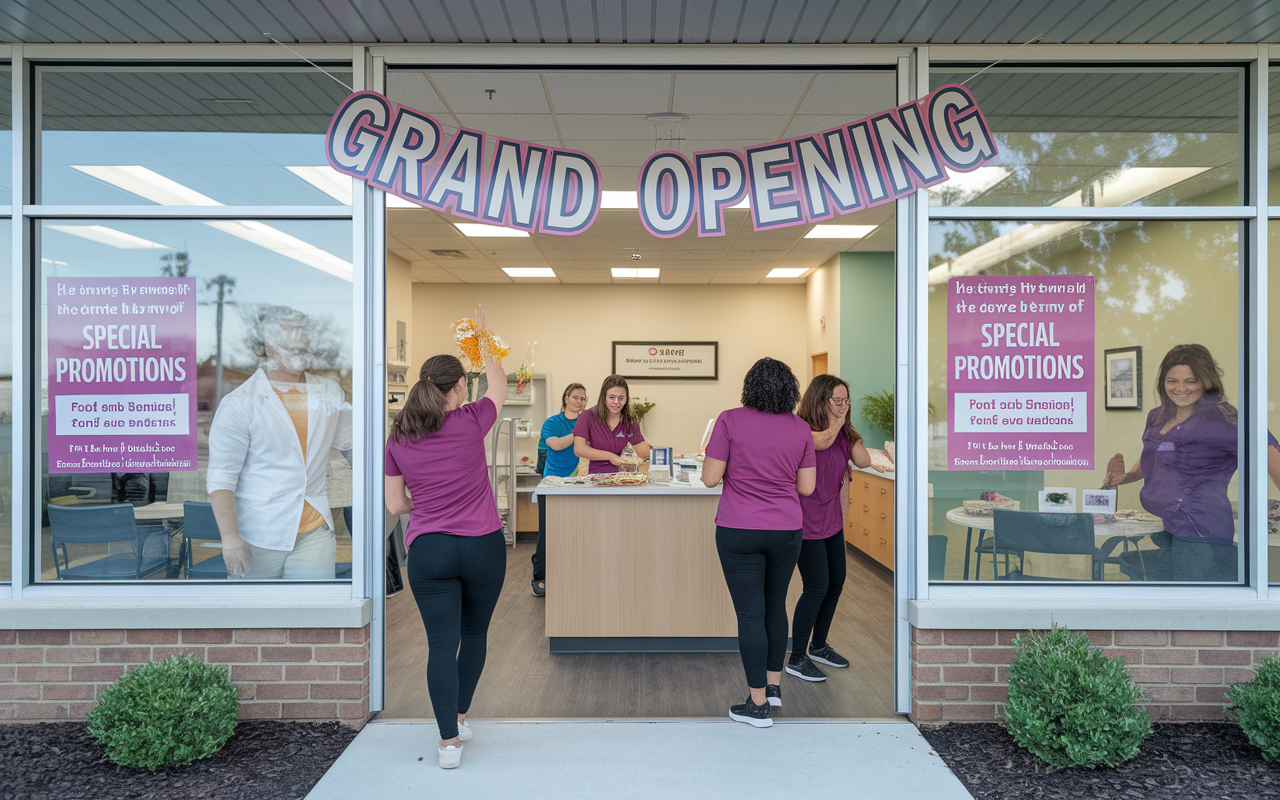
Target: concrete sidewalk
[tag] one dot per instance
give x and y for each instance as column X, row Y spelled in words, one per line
column 644, row 759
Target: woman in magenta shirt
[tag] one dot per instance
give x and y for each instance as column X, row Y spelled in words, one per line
column 825, row 408
column 457, row 553
column 764, row 453
column 602, row 433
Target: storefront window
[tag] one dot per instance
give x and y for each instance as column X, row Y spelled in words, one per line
column 1089, row 371
column 1273, row 398
column 207, row 137
column 184, row 362
column 1082, row 137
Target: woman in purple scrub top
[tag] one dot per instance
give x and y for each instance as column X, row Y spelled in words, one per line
column 602, row 433
column 1189, row 455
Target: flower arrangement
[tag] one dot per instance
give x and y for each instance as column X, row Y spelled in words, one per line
column 473, row 345
column 524, row 374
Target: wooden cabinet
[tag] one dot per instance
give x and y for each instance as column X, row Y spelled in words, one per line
column 869, row 526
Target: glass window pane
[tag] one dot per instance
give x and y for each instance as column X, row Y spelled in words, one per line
column 1273, row 397
column 264, row 310
column 6, row 403
column 1095, row 137
column 1162, row 420
column 214, row 136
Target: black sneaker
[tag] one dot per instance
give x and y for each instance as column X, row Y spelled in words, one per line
column 773, row 693
column 539, row 588
column 752, row 714
column 825, row 655
column 804, row 669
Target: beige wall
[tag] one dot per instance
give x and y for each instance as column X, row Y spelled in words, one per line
column 574, row 326
column 399, row 305
column 823, row 300
column 1156, row 286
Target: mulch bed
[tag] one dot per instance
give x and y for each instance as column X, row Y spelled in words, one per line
column 261, row 760
column 1187, row 761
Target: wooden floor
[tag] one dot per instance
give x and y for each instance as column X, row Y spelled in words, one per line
column 522, row 680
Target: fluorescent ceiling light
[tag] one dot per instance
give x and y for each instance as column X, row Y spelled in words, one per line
column 288, row 246
column 971, row 184
column 635, row 272
column 786, row 272
column 394, row 201
column 478, row 230
column 529, row 272
column 1127, row 187
column 840, row 231
column 327, row 180
column 110, row 236
column 627, row 199
column 148, row 185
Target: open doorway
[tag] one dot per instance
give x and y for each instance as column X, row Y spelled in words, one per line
column 562, row 301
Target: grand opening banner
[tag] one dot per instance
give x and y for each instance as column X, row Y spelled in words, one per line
column 122, row 374
column 1020, row 372
column 522, row 185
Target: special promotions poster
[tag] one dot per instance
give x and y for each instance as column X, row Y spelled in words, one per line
column 122, row 374
column 1020, row 372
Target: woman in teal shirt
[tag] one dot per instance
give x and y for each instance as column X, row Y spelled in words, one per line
column 555, row 457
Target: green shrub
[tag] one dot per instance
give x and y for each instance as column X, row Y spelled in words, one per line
column 1257, row 705
column 1070, row 705
column 166, row 713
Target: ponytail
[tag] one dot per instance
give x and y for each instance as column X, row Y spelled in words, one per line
column 424, row 410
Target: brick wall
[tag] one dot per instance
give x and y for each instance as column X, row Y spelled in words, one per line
column 297, row 674
column 963, row 675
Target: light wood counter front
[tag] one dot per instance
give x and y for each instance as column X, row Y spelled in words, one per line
column 637, row 562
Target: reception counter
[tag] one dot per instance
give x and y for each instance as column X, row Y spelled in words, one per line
column 635, row 569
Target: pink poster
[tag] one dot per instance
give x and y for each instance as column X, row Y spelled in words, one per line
column 122, row 374
column 1020, row 372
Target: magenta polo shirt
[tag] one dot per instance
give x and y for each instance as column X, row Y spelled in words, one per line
column 448, row 476
column 762, row 454
column 822, row 514
column 598, row 435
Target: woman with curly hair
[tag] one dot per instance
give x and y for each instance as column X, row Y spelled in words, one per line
column 764, row 453
column 825, row 407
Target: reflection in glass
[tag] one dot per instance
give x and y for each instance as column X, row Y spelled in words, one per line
column 270, row 296
column 1273, row 397
column 1119, row 137
column 217, row 136
column 1157, row 285
column 6, row 406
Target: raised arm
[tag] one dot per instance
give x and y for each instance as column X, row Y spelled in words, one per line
column 493, row 371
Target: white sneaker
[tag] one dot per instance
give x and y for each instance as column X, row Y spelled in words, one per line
column 450, row 757
column 464, row 732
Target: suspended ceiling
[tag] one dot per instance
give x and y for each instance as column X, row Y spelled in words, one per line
column 643, row 21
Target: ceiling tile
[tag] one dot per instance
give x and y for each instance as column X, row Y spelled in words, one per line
column 609, row 92
column 515, row 92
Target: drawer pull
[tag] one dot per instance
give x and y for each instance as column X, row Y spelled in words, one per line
column 866, row 509
column 866, row 532
column 883, row 490
column 866, row 484
column 883, row 515
column 882, row 541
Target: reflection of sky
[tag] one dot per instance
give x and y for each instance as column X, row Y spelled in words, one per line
column 6, row 307
column 232, row 168
column 262, row 276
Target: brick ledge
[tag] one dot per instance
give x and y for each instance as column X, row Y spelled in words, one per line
column 177, row 612
column 1037, row 613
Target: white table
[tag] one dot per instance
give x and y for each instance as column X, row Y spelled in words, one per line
column 1129, row 529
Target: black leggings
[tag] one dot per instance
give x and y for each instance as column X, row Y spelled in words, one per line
column 822, row 571
column 539, row 557
column 456, row 581
column 757, row 567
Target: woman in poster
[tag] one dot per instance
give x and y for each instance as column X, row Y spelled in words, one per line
column 1189, row 455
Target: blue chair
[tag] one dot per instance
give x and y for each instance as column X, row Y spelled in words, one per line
column 199, row 524
column 105, row 524
column 1032, row 531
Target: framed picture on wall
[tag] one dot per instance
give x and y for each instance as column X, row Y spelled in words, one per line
column 1122, row 367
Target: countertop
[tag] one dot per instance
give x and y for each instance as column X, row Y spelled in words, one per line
column 648, row 490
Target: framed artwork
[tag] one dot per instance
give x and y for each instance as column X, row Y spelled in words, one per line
column 1122, row 367
column 666, row 361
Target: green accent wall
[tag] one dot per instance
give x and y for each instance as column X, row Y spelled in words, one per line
column 867, row 331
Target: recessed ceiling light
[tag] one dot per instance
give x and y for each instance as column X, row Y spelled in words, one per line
column 634, row 272
column 399, row 202
column 613, row 199
column 786, row 272
column 478, row 230
column 529, row 272
column 147, row 184
column 840, row 231
column 328, row 180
